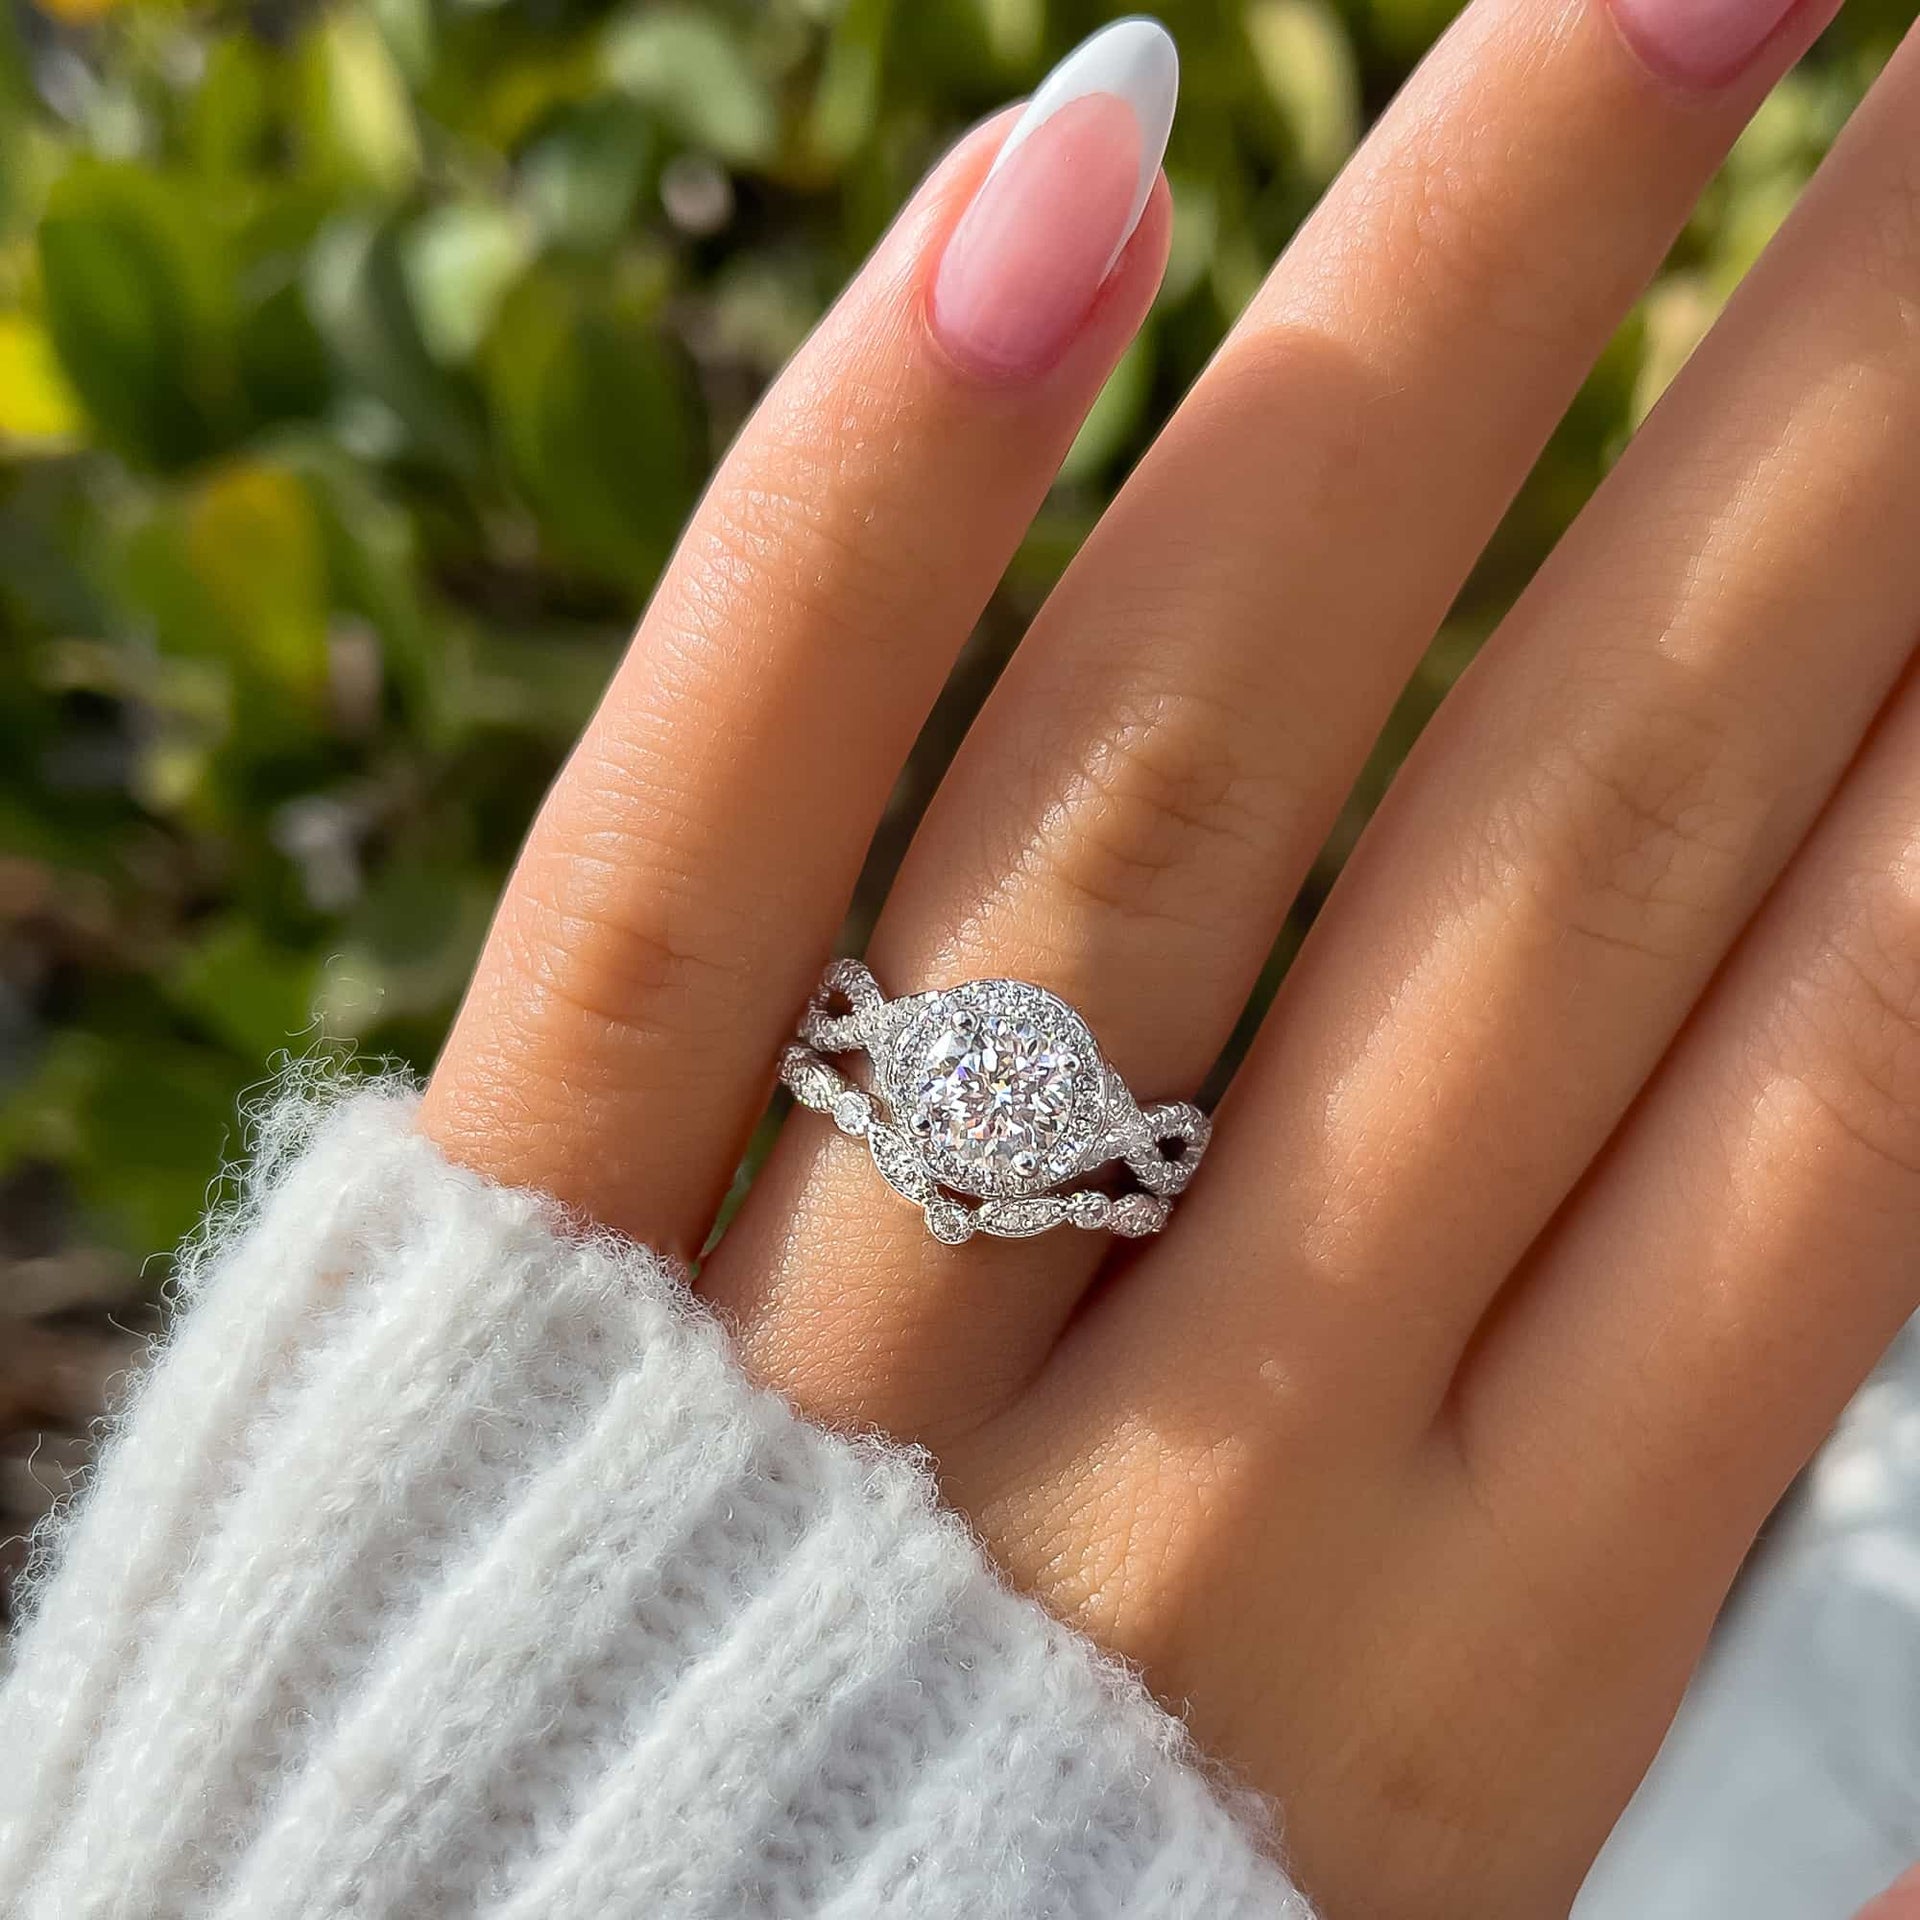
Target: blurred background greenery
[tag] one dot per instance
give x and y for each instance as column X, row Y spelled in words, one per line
column 358, row 364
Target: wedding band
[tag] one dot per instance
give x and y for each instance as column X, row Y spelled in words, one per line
column 985, row 1103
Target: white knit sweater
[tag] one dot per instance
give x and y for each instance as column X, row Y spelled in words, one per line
column 444, row 1564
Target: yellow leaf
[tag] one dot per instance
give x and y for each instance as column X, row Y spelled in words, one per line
column 36, row 404
column 255, row 548
column 1678, row 311
column 359, row 111
column 1016, row 30
column 1301, row 50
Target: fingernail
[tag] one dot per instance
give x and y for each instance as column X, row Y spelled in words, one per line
column 1699, row 43
column 1059, row 204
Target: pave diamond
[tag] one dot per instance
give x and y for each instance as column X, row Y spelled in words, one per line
column 999, row 1087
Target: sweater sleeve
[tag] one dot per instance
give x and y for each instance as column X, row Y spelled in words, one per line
column 445, row 1564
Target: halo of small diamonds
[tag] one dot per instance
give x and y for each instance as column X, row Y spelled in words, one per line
column 994, row 1089
column 999, row 1085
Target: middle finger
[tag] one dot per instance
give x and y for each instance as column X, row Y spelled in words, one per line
column 1159, row 765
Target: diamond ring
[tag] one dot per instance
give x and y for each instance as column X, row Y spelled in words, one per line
column 985, row 1102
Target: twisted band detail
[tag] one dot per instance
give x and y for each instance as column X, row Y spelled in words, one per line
column 986, row 1101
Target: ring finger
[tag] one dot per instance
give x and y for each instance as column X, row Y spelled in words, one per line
column 1698, row 1316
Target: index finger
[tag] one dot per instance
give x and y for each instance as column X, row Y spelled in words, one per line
column 687, row 874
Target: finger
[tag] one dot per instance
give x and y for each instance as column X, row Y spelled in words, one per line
column 1694, row 1324
column 1579, row 838
column 686, row 875
column 1163, row 758
column 1901, row 1901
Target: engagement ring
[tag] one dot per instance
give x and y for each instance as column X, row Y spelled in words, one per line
column 985, row 1102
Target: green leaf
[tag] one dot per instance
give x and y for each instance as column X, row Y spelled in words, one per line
column 134, row 305
column 357, row 292
column 581, row 178
column 458, row 261
column 373, row 563
column 244, row 991
column 1115, row 417
column 283, row 369
column 253, row 543
column 140, row 1122
column 231, row 570
column 156, row 1130
column 593, row 410
column 1676, row 314
column 408, row 948
column 846, row 101
column 542, row 683
column 407, row 28
column 230, row 115
column 1303, row 57
column 1015, row 30
column 693, row 72
column 1407, row 28
column 359, row 120
column 37, row 407
column 1196, row 233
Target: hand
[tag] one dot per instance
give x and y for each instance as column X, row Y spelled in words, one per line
column 1569, row 1187
column 1901, row 1901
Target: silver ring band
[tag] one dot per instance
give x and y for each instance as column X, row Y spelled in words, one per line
column 985, row 1102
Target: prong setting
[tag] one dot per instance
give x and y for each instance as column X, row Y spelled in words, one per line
column 994, row 1089
column 1000, row 1085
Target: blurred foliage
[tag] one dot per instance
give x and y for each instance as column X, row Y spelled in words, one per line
column 358, row 364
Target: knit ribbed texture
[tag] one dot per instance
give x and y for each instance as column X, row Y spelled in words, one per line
column 445, row 1564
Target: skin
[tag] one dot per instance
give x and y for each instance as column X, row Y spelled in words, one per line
column 1899, row 1902
column 1569, row 1189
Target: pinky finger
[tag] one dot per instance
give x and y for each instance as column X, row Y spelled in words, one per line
column 1693, row 1325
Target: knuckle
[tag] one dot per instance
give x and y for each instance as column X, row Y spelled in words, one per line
column 1112, row 1547
column 797, row 556
column 1157, row 820
column 1846, row 1032
column 813, row 525
column 1281, row 380
column 1458, row 238
column 1632, row 830
column 615, row 937
column 1895, row 232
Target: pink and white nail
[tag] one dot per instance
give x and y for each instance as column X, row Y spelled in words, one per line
column 1059, row 204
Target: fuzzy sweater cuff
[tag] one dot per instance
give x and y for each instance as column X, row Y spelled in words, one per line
column 445, row 1564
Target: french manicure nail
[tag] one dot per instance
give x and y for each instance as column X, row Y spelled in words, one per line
column 1699, row 43
column 1059, row 204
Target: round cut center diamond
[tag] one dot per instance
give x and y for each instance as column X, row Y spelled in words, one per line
column 995, row 1094
column 998, row 1085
